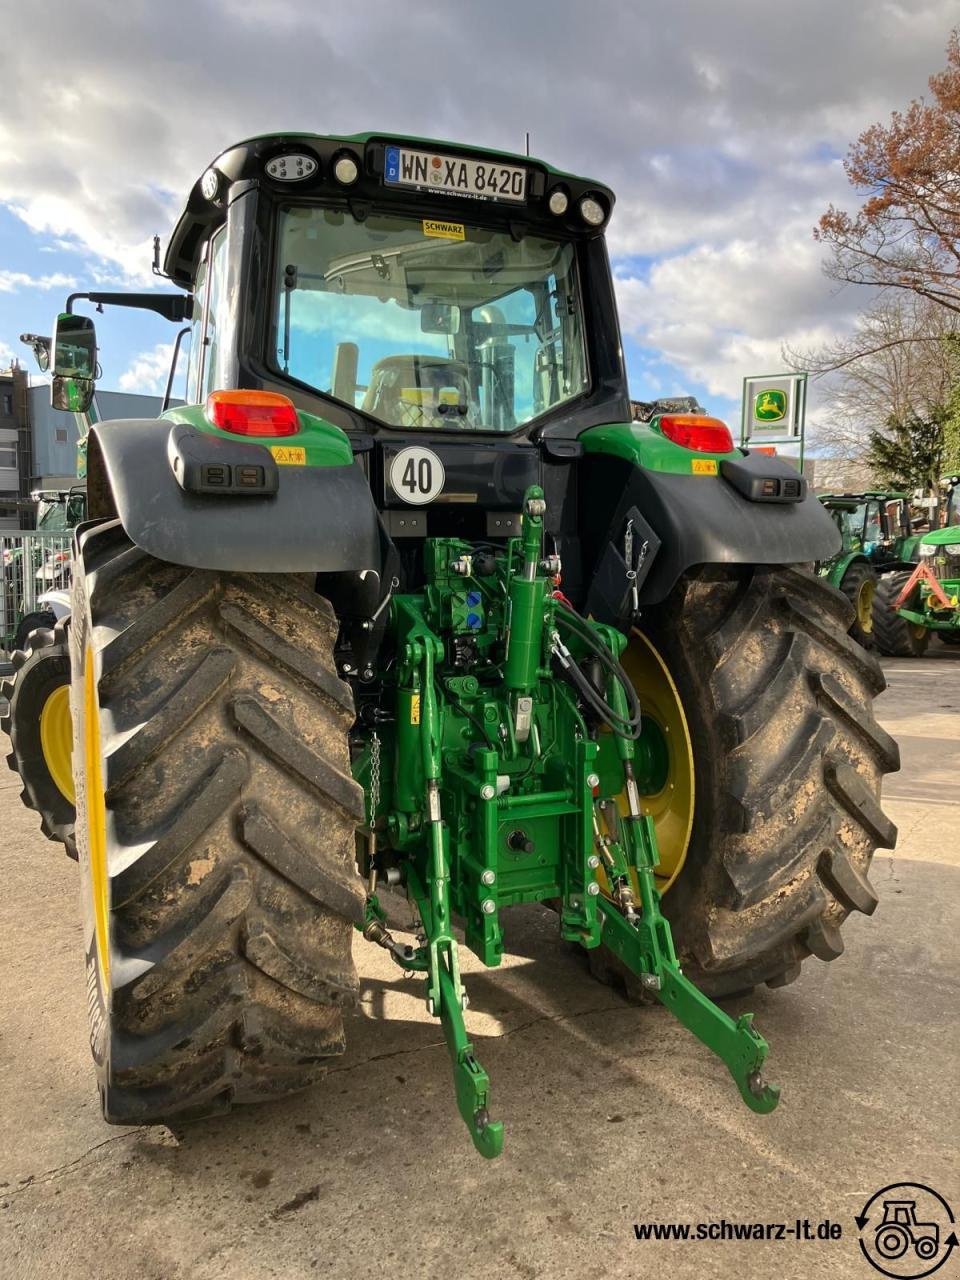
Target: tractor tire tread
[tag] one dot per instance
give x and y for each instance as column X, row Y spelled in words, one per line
column 895, row 636
column 231, row 817
column 789, row 761
column 46, row 658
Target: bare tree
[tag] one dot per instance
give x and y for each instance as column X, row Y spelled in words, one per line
column 895, row 365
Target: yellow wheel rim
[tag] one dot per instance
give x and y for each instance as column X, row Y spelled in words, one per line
column 56, row 741
column 671, row 804
column 918, row 631
column 96, row 817
column 865, row 605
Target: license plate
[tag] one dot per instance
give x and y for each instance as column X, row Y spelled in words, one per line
column 454, row 175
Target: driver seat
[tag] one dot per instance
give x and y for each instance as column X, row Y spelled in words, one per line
column 420, row 391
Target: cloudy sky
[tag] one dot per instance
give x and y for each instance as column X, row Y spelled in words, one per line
column 721, row 124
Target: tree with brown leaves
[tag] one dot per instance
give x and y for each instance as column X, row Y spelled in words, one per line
column 906, row 235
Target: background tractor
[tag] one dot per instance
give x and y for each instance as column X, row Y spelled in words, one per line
column 37, row 715
column 403, row 605
column 877, row 538
column 923, row 599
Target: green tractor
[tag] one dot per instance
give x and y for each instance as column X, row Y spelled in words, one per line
column 877, row 538
column 37, row 717
column 923, row 599
column 402, row 602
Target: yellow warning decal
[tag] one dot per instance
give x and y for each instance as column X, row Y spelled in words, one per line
column 703, row 466
column 289, row 455
column 444, row 230
column 415, row 708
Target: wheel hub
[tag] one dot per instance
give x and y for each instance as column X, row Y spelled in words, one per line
column 56, row 741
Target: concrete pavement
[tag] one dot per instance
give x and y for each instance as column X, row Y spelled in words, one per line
column 614, row 1114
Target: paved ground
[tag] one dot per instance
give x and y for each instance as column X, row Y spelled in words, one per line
column 614, row 1115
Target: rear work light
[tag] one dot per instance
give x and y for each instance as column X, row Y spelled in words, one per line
column 252, row 413
column 697, row 431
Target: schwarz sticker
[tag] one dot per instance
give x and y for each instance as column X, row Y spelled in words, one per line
column 416, row 475
column 444, row 230
column 704, row 466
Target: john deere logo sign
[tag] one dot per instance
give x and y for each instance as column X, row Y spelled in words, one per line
column 773, row 407
column 770, row 406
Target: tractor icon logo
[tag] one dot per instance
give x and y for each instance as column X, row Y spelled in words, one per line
column 770, row 406
column 900, row 1229
column 906, row 1230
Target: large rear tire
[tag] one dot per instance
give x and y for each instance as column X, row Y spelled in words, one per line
column 39, row 619
column 215, row 821
column 787, row 762
column 38, row 722
column 895, row 637
column 859, row 585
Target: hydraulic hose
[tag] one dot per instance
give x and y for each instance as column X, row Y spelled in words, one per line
column 624, row 726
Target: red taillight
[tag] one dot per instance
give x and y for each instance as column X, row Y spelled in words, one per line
column 696, row 431
column 252, row 413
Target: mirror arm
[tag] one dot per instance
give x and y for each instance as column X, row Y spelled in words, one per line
column 172, row 306
column 168, row 389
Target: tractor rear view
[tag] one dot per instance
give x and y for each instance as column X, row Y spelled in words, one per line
column 403, row 602
column 877, row 539
column 923, row 599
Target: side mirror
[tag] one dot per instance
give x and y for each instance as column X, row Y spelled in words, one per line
column 74, row 363
column 72, row 395
column 74, row 347
column 439, row 317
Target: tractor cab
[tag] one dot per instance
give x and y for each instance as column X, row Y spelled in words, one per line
column 942, row 546
column 397, row 286
column 874, row 523
column 59, row 509
column 849, row 516
column 446, row 314
column 952, row 515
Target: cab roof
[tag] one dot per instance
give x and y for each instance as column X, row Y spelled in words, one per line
column 244, row 165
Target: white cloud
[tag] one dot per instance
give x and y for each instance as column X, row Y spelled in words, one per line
column 719, row 126
column 124, row 128
column 718, row 311
column 147, row 372
column 6, row 356
column 10, row 281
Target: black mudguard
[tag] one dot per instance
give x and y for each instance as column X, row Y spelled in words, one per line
column 689, row 521
column 320, row 519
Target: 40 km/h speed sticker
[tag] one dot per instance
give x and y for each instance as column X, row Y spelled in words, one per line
column 416, row 475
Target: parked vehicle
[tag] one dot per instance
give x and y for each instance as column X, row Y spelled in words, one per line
column 877, row 537
column 404, row 600
column 924, row 600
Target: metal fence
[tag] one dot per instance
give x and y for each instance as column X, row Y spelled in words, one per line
column 33, row 563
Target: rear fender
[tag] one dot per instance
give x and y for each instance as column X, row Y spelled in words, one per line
column 56, row 602
column 838, row 570
column 319, row 518
column 689, row 519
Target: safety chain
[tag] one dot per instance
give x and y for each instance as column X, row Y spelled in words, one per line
column 374, row 777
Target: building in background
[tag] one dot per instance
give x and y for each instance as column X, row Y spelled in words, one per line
column 55, row 433
column 38, row 444
column 15, row 445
